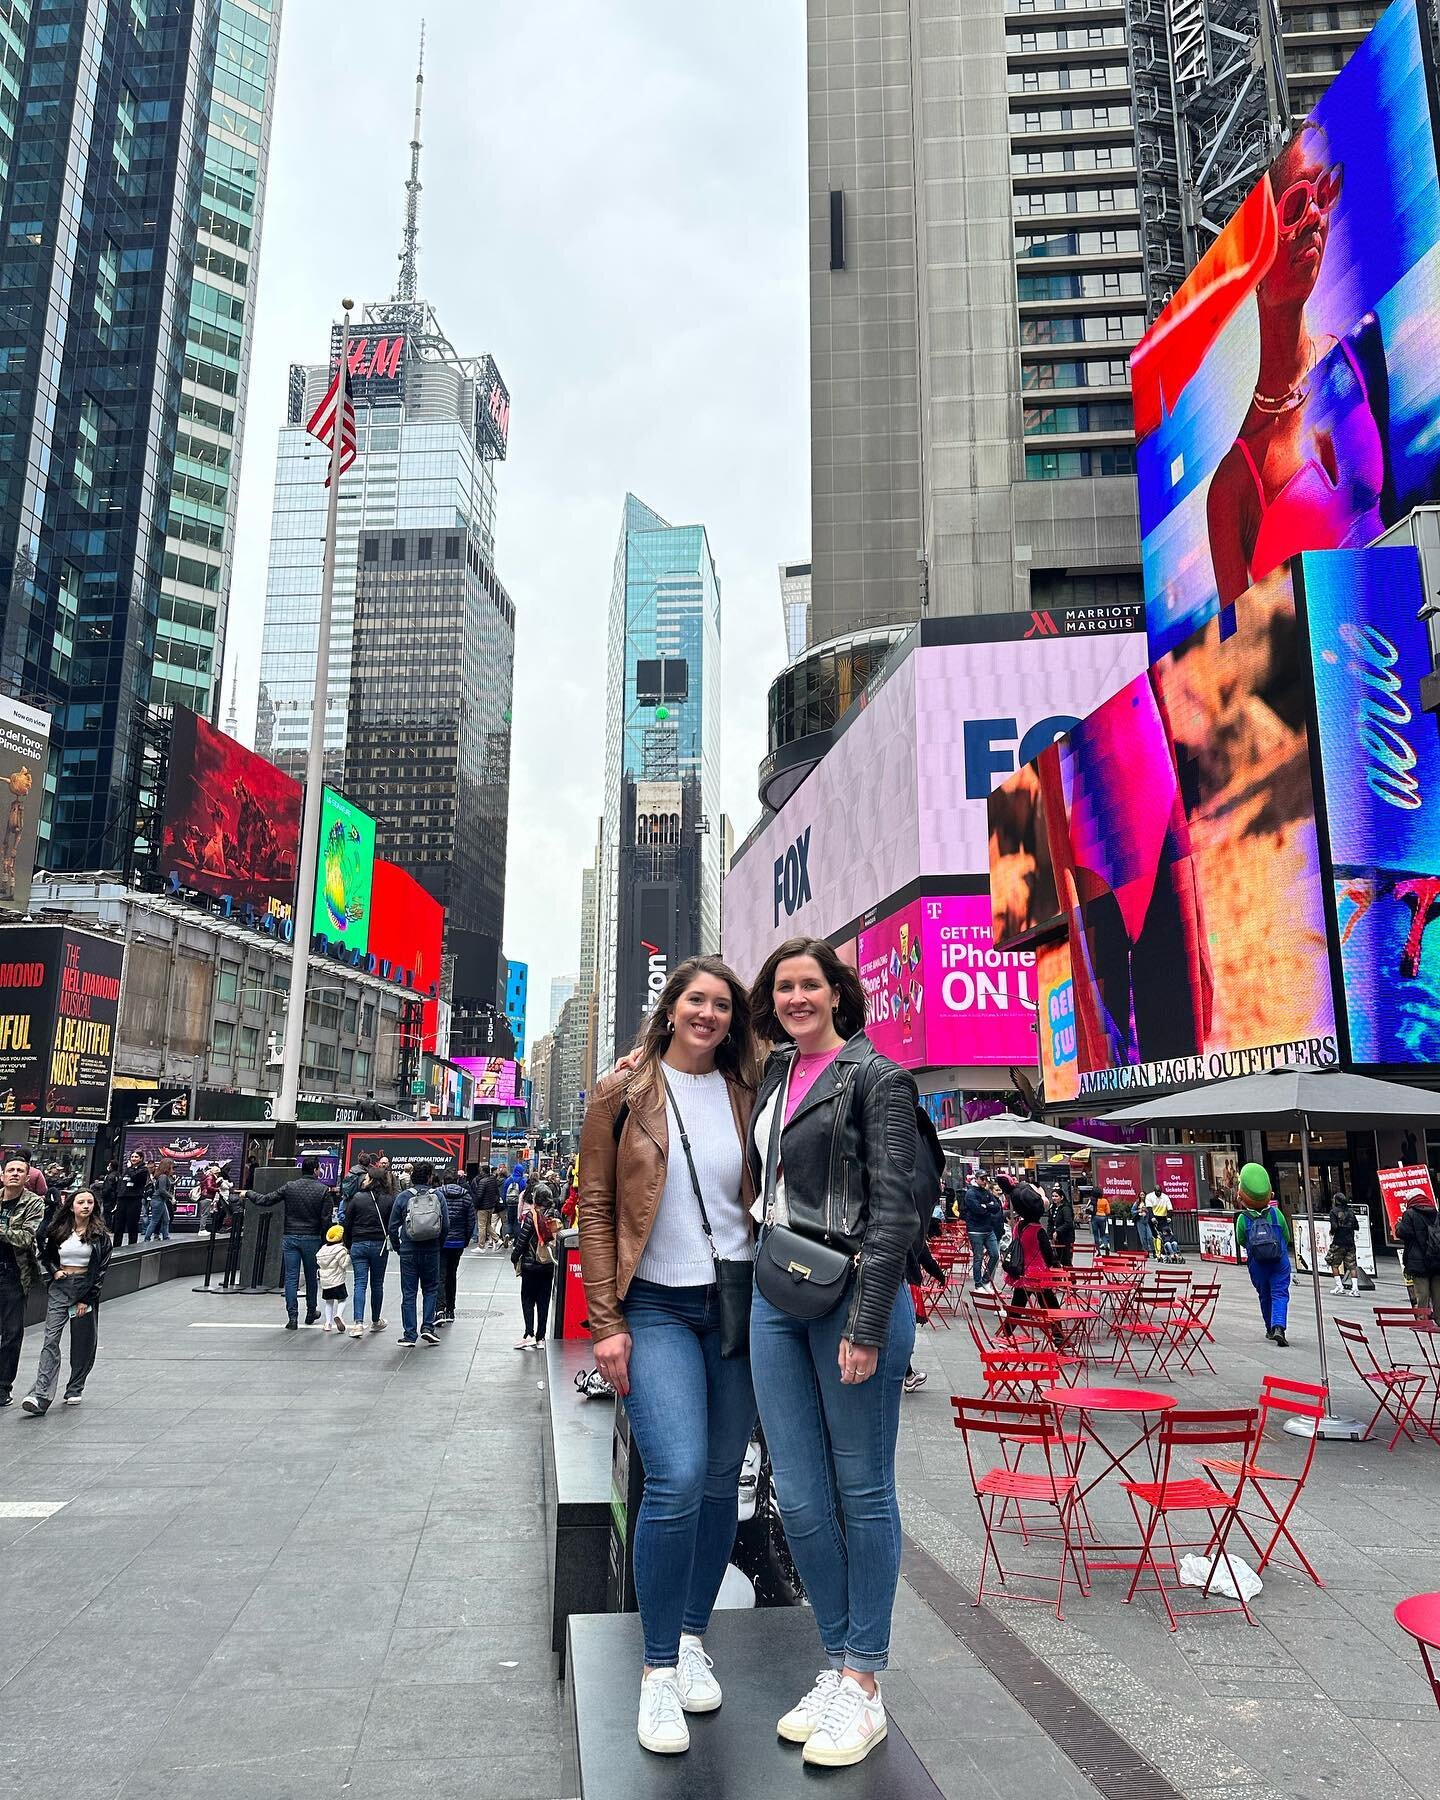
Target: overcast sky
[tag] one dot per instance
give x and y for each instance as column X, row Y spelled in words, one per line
column 614, row 207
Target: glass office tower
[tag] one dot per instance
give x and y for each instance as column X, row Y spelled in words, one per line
column 133, row 137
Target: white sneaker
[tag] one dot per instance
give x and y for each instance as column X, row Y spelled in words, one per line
column 1339, row 1288
column 1355, row 1289
column 662, row 1726
column 850, row 1727
column 526, row 1344
column 699, row 1690
column 73, row 1399
column 377, row 1324
column 357, row 1331
column 804, row 1716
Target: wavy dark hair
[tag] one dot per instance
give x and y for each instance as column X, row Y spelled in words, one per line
column 735, row 1053
column 849, row 1014
column 64, row 1221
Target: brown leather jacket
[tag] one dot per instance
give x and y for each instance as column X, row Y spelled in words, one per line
column 621, row 1184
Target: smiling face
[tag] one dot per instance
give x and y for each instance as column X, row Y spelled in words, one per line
column 1305, row 187
column 804, row 1001
column 701, row 1016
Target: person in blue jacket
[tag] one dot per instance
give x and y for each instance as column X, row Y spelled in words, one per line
column 1263, row 1232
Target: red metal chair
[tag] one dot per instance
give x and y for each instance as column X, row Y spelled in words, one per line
column 1397, row 1390
column 1193, row 1323
column 1419, row 1618
column 1150, row 1320
column 998, row 1488
column 984, row 1314
column 1287, row 1399
column 1412, row 1341
column 1181, row 1434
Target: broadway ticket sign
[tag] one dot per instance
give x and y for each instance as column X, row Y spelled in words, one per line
column 59, row 1016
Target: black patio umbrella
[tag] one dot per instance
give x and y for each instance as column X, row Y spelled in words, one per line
column 1293, row 1100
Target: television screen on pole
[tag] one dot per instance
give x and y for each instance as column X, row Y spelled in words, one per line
column 1288, row 397
column 231, row 820
column 407, row 930
column 343, row 873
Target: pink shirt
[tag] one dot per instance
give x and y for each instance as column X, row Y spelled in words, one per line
column 805, row 1071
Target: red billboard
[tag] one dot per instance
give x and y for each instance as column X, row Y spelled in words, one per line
column 407, row 930
column 231, row 824
column 1177, row 1179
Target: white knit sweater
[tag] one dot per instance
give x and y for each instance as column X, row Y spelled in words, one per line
column 677, row 1253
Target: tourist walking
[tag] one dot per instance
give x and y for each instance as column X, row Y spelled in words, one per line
column 533, row 1260
column 22, row 1213
column 1035, row 1255
column 1344, row 1223
column 833, row 1151
column 1418, row 1234
column 984, row 1221
column 418, row 1224
column 75, row 1253
column 666, row 1246
column 162, row 1199
column 367, row 1238
column 1061, row 1224
column 309, row 1212
column 335, row 1270
column 486, row 1190
column 1262, row 1232
column 135, row 1184
column 461, row 1214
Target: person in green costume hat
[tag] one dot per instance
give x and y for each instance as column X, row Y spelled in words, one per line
column 1263, row 1232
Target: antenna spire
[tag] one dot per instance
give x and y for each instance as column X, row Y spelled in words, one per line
column 408, row 285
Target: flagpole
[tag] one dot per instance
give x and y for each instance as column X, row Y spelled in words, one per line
column 288, row 1101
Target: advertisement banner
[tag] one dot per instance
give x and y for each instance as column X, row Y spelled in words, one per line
column 59, row 1008
column 1364, row 1244
column 344, row 872
column 1178, row 1179
column 889, row 963
column 495, row 1079
column 1287, row 398
column 445, row 1149
column 1399, row 1186
column 1380, row 754
column 191, row 1152
column 24, row 756
column 407, row 931
column 231, row 821
column 1118, row 1178
column 1217, row 1238
column 1059, row 1062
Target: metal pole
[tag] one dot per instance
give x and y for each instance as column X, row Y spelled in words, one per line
column 288, row 1100
column 1314, row 1260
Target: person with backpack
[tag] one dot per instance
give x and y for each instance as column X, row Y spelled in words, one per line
column 533, row 1260
column 419, row 1222
column 367, row 1238
column 1418, row 1235
column 514, row 1194
column 1262, row 1234
column 1030, row 1258
column 354, row 1179
column 460, row 1212
column 1341, row 1255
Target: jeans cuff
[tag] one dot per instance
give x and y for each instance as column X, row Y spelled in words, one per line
column 867, row 1665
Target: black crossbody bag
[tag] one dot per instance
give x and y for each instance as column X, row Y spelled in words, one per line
column 734, row 1280
column 798, row 1274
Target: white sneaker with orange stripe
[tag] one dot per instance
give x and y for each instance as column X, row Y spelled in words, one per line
column 850, row 1727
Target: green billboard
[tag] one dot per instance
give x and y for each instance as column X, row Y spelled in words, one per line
column 344, row 872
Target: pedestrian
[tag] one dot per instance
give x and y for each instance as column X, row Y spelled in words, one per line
column 135, row 1184
column 109, row 1193
column 923, row 1263
column 1341, row 1255
column 663, row 1222
column 75, row 1253
column 1418, row 1235
column 834, row 1151
column 162, row 1198
column 309, row 1212
column 335, row 1271
column 22, row 1213
column 984, row 1221
column 533, row 1259
column 354, row 1176
column 1061, row 1224
column 1262, row 1233
column 367, row 1238
column 418, row 1224
column 460, row 1211
column 514, row 1194
column 489, row 1208
column 1032, row 1255
column 1100, row 1225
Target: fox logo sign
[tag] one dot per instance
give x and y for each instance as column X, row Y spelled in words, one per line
column 792, row 877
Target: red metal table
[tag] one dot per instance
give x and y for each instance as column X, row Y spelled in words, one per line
column 1092, row 1404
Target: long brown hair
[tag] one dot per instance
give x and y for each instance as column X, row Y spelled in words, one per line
column 849, row 1014
column 735, row 1053
column 64, row 1221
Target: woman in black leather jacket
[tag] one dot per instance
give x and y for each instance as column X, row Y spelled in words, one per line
column 833, row 1153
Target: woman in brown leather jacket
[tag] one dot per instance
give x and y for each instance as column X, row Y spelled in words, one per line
column 653, row 1220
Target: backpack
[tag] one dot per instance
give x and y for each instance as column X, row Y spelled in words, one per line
column 514, row 1192
column 1014, row 1262
column 1263, row 1242
column 424, row 1217
column 1430, row 1244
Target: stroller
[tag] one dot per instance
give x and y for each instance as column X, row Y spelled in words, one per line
column 1164, row 1225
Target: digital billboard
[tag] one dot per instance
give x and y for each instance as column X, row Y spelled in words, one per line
column 496, row 1079
column 344, row 872
column 407, row 930
column 1288, row 397
column 916, row 763
column 1380, row 756
column 1059, row 1047
column 59, row 1009
column 1188, row 865
column 24, row 757
column 231, row 820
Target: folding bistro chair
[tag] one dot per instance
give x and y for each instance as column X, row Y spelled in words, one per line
column 1419, row 1618
column 1193, row 1322
column 1397, row 1390
column 1182, row 1433
column 997, row 1488
column 1150, row 1320
column 1025, row 1375
column 984, row 1314
column 1284, row 1398
column 1412, row 1341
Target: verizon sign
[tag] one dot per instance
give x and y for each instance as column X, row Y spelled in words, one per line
column 1189, row 44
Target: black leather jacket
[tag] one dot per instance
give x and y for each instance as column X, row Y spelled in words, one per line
column 849, row 1172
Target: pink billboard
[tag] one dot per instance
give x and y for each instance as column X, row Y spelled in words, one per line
column 939, row 992
column 495, row 1079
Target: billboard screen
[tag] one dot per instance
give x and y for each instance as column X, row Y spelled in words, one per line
column 24, row 755
column 191, row 1151
column 1380, row 757
column 916, row 762
column 496, row 1079
column 1287, row 398
column 407, row 931
column 344, row 872
column 1059, row 1053
column 1187, row 857
column 59, row 1008
column 231, row 822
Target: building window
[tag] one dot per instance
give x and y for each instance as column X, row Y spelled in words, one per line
column 347, row 1066
column 367, row 1020
column 249, row 1053
column 362, row 1068
column 222, row 1041
column 397, row 550
column 227, row 982
column 372, row 550
column 352, row 1012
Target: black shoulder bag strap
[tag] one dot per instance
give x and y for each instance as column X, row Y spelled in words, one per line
column 734, row 1279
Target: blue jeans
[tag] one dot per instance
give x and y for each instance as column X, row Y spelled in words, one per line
column 832, row 1448
column 298, row 1250
column 1272, row 1285
column 984, row 1248
column 419, row 1267
column 367, row 1258
column 1100, row 1231
column 159, row 1225
column 691, row 1415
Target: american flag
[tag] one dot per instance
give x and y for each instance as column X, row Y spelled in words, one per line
column 322, row 421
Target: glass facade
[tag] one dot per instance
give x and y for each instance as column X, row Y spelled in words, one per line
column 664, row 611
column 113, row 119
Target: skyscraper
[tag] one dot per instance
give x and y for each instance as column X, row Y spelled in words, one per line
column 561, row 988
column 133, row 143
column 659, row 887
column 795, row 605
